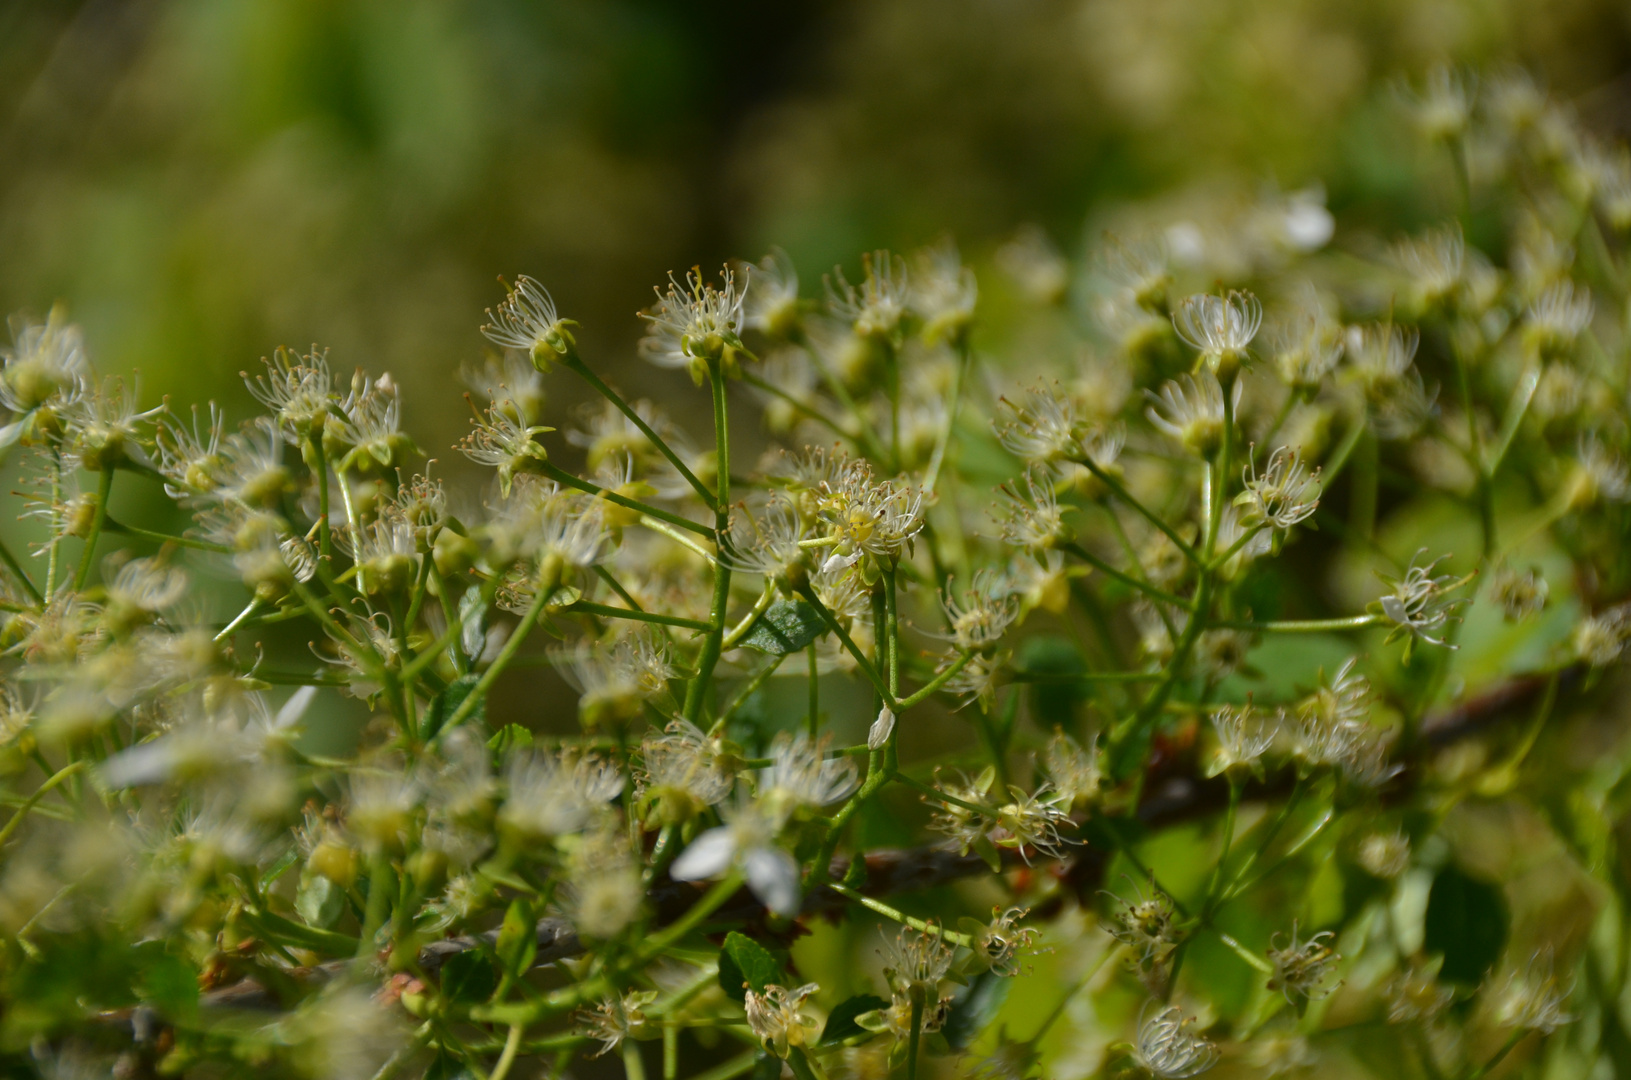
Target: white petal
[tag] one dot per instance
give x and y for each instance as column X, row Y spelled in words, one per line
column 708, row 856
column 774, row 878
column 878, row 734
column 144, row 763
column 294, row 708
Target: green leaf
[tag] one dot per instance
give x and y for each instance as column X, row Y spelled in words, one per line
column 1467, row 922
column 744, row 963
column 841, row 1023
column 445, row 704
column 469, row 977
column 786, row 627
column 973, row 1009
column 517, row 939
column 319, row 901
column 510, row 738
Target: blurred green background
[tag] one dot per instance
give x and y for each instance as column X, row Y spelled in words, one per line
column 203, row 180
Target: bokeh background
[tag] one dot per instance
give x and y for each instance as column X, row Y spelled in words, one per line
column 203, row 180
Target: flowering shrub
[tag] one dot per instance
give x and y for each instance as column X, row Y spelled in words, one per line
column 1262, row 807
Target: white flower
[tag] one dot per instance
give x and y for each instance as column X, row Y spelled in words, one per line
column 1167, row 1049
column 498, row 438
column 527, row 320
column 694, row 323
column 1599, row 474
column 1283, row 495
column 1521, row 594
column 1243, row 736
column 777, row 1017
column 772, row 305
column 943, row 292
column 1220, row 328
column 682, row 772
column 1190, row 410
column 801, row 774
column 1557, row 316
column 766, row 540
column 981, row 614
column 1533, row 999
column 615, row 1019
column 298, row 389
column 916, row 960
column 1032, row 260
column 551, row 795
column 1035, row 523
column 747, row 841
column 1301, row 967
column 1146, row 924
column 1381, row 353
column 876, row 307
column 45, row 365
column 614, row 680
column 1419, row 605
column 1042, row 424
column 1443, row 107
column 1434, row 264
column 1308, row 344
column 188, row 457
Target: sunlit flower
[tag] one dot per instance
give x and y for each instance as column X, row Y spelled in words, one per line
column 1419, row 604
column 1283, row 495
column 615, row 1019
column 777, row 1018
column 1220, row 328
column 1167, row 1049
column 801, row 774
column 694, row 324
column 1301, row 967
column 527, row 321
column 1190, row 409
column 747, row 842
column 298, row 389
column 874, row 308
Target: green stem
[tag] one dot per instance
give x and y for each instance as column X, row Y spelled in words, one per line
column 562, row 476
column 478, row 693
column 1507, row 1047
column 104, row 487
column 712, row 645
column 586, row 607
column 511, row 1044
column 1126, row 579
column 17, row 572
column 1304, row 626
column 165, row 538
column 849, row 645
column 319, row 468
column 901, row 917
column 808, row 410
column 1120, row 491
column 572, row 361
column 379, row 899
column 243, row 616
column 933, row 685
column 938, row 457
column 814, row 720
column 56, row 778
column 916, row 1035
column 759, row 679
column 760, row 606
